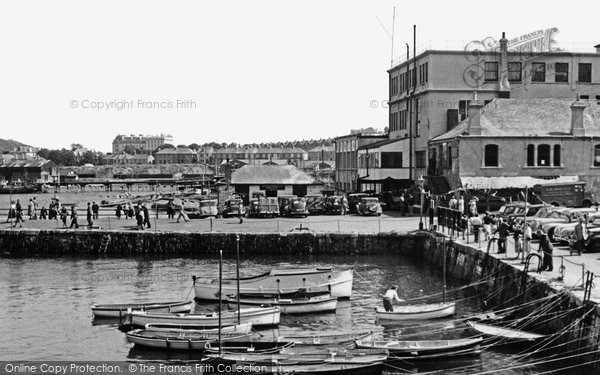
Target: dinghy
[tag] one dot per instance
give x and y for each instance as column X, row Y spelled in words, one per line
column 280, row 281
column 240, row 329
column 417, row 312
column 177, row 340
column 258, row 316
column 324, row 338
column 297, row 305
column 256, row 347
column 425, row 349
column 508, row 335
column 115, row 310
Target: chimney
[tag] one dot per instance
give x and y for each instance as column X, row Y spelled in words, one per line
column 503, row 84
column 474, row 127
column 577, row 109
column 597, row 47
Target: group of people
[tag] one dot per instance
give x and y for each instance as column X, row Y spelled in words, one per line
column 139, row 212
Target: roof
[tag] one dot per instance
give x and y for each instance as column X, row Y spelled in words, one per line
column 178, row 150
column 379, row 144
column 271, row 174
column 512, row 182
column 531, row 118
column 26, row 163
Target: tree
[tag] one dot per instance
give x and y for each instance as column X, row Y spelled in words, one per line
column 75, row 146
column 166, row 145
column 181, row 146
column 88, row 158
column 129, row 149
column 194, row 146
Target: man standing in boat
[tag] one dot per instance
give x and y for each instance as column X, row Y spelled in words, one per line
column 389, row 297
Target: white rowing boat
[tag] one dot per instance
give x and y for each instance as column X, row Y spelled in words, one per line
column 240, row 329
column 281, row 281
column 417, row 312
column 117, row 310
column 508, row 334
column 299, row 305
column 177, row 340
column 258, row 316
column 425, row 348
column 324, row 338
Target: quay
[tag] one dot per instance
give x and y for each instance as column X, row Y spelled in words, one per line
column 573, row 283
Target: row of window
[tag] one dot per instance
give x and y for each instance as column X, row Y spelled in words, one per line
column 407, row 80
column 538, row 72
column 543, row 155
column 398, row 120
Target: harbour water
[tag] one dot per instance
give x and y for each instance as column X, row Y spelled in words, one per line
column 45, row 311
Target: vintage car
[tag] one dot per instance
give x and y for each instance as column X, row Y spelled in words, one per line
column 232, row 207
column 572, row 216
column 532, row 210
column 368, row 206
column 333, row 205
column 205, row 208
column 284, row 202
column 354, row 200
column 297, row 207
column 263, row 207
column 563, row 232
column 315, row 204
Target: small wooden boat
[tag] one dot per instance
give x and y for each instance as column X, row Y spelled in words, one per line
column 256, row 347
column 357, row 361
column 280, row 281
column 425, row 349
column 417, row 312
column 176, row 340
column 240, row 329
column 298, row 305
column 258, row 316
column 508, row 335
column 115, row 310
column 324, row 338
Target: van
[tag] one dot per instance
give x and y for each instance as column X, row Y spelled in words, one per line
column 568, row 194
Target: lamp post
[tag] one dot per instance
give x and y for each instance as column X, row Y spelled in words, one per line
column 421, row 181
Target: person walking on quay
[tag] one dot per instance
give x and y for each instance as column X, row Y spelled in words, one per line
column 546, row 249
column 18, row 219
column 487, row 225
column 18, row 209
column 12, row 210
column 182, row 213
column 460, row 205
column 35, row 209
column 344, row 204
column 30, row 208
column 389, row 297
column 241, row 211
column 431, row 210
column 146, row 215
column 452, row 203
column 170, row 210
column 139, row 216
column 74, row 222
column 63, row 216
column 503, row 233
column 580, row 236
column 43, row 213
column 130, row 210
column 402, row 205
column 475, row 223
column 118, row 211
column 95, row 210
column 90, row 215
column 527, row 235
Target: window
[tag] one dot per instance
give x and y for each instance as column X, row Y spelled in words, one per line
column 463, row 109
column 514, row 72
column 491, row 71
column 543, row 157
column 556, row 160
column 491, row 156
column 420, row 160
column 449, row 157
column 530, row 155
column 391, row 160
column 597, row 156
column 585, row 72
column 538, row 72
column 561, row 72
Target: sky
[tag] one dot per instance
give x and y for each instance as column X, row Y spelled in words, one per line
column 230, row 71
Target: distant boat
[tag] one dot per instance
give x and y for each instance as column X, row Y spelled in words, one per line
column 508, row 335
column 177, row 340
column 425, row 349
column 324, row 338
column 241, row 329
column 417, row 312
column 258, row 316
column 115, row 310
column 255, row 347
column 288, row 361
column 298, row 305
column 281, row 281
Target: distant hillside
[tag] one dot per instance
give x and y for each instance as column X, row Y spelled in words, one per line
column 9, row 145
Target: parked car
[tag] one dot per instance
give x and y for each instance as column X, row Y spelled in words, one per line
column 263, row 207
column 569, row 217
column 369, row 206
column 205, row 208
column 532, row 210
column 354, row 200
column 592, row 245
column 232, row 207
column 563, row 232
column 284, row 203
column 333, row 205
column 315, row 204
column 297, row 207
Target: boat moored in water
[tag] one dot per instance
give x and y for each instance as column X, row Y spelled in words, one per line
column 418, row 312
column 425, row 349
column 280, row 281
column 177, row 340
column 116, row 310
column 506, row 335
column 298, row 305
column 241, row 329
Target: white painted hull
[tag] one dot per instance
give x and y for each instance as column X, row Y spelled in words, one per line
column 417, row 312
column 120, row 310
column 292, row 306
column 256, row 316
column 337, row 283
column 240, row 329
column 175, row 342
column 505, row 333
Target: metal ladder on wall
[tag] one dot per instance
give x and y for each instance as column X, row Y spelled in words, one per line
column 104, row 243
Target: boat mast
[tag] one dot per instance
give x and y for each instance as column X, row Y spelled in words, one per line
column 220, row 292
column 237, row 241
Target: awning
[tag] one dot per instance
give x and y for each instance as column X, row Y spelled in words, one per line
column 518, row 182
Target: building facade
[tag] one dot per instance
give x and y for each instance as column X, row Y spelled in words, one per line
column 522, row 138
column 346, row 159
column 179, row 155
column 430, row 94
column 273, row 181
column 291, row 155
column 126, row 159
column 146, row 144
